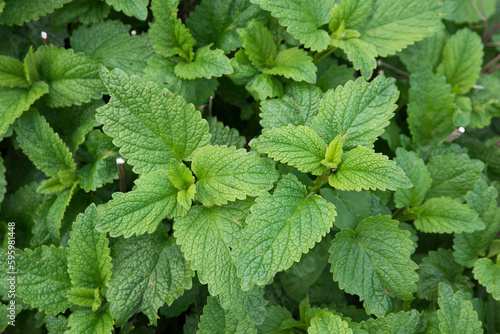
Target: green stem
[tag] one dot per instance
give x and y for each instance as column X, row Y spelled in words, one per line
column 320, row 56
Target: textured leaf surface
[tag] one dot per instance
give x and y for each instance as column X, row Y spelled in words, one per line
column 418, row 173
column 42, row 145
column 110, row 43
column 362, row 168
column 346, row 111
column 89, row 263
column 151, row 126
column 259, row 44
column 216, row 320
column 327, row 322
column 302, row 19
column 361, row 53
column 147, row 272
column 72, row 77
column 462, row 60
column 293, row 63
column 12, row 73
column 209, row 238
column 424, row 53
column 87, row 321
column 394, row 323
column 430, row 110
column 298, row 106
column 224, row 135
column 137, row 8
column 275, row 315
column 226, row 174
column 298, row 146
column 446, row 215
column 488, row 274
column 465, row 12
column 42, row 278
column 19, row 11
column 456, row 314
column 374, row 263
column 142, row 209
column 280, row 228
column 56, row 325
column 207, row 63
column 14, row 101
column 263, row 86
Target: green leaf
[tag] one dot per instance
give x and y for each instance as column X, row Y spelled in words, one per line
column 89, row 263
column 302, row 19
column 280, row 228
column 456, row 314
column 148, row 271
column 224, row 135
column 334, row 76
column 142, row 209
column 354, row 13
column 42, row 145
column 151, row 126
column 462, row 60
column 73, row 78
column 263, row 86
column 468, row 246
column 395, row 24
column 137, row 8
column 14, row 101
column 401, row 322
column 20, row 11
column 430, row 110
column 243, row 70
column 485, row 102
column 445, row 215
column 259, row 44
column 333, row 155
column 42, row 278
column 293, row 63
column 56, row 325
column 226, row 174
column 216, row 21
column 298, row 106
column 425, row 53
column 3, row 181
column 374, row 263
column 216, row 320
column 275, row 315
column 327, row 322
column 362, row 168
column 453, row 175
column 298, row 146
column 418, row 173
column 209, row 239
column 100, row 155
column 439, row 266
column 487, row 274
column 12, row 73
column 348, row 109
column 64, row 179
column 465, row 11
column 87, row 321
column 110, row 43
column 207, row 63
column 351, row 206
column 85, row 297
column 361, row 53
column 84, row 11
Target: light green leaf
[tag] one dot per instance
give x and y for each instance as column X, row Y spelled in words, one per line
column 333, row 155
column 20, row 11
column 430, row 110
column 209, row 239
column 137, row 8
column 216, row 320
column 179, row 175
column 243, row 70
column 361, row 53
column 280, row 228
column 487, row 274
column 327, row 322
column 64, row 179
column 73, row 78
column 42, row 278
column 207, row 63
column 263, row 86
column 110, row 43
column 374, row 263
column 226, row 174
column 302, row 19
column 14, row 101
column 293, row 63
column 12, row 73
column 85, row 297
column 445, row 215
column 362, row 168
column 395, row 24
column 347, row 110
column 462, row 60
column 425, row 53
column 354, row 13
column 224, row 135
column 418, row 173
column 148, row 271
column 393, row 323
column 298, row 106
column 142, row 209
column 89, row 263
column 298, row 146
column 453, row 175
column 87, row 321
column 468, row 246
column 259, row 44
column 56, row 325
column 456, row 314
column 465, row 11
column 151, row 126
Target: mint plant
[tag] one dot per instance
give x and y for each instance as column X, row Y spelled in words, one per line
column 290, row 166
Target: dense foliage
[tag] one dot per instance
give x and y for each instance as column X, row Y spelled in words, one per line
column 292, row 166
